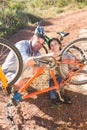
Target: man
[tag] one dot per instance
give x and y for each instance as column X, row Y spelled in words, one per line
column 28, row 49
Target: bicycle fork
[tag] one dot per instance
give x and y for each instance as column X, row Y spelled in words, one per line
column 3, row 79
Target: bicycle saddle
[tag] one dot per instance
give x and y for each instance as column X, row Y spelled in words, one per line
column 63, row 34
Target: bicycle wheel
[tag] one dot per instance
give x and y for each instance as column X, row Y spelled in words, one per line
column 75, row 51
column 7, row 48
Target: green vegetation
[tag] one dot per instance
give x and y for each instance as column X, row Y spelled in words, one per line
column 17, row 14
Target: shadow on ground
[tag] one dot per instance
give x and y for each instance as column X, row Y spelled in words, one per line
column 54, row 117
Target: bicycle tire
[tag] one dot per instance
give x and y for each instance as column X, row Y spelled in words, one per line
column 43, row 50
column 80, row 52
column 6, row 47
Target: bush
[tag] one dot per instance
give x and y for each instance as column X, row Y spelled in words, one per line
column 12, row 18
column 10, row 23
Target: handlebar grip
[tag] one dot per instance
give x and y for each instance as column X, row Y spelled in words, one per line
column 47, row 39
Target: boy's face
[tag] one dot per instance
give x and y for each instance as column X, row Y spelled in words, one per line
column 54, row 46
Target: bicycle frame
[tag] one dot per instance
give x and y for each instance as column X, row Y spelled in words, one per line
column 18, row 96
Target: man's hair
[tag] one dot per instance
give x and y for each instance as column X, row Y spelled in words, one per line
column 54, row 39
column 38, row 35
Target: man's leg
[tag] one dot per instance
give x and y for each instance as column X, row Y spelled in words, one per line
column 27, row 73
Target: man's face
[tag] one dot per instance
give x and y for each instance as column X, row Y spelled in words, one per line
column 37, row 43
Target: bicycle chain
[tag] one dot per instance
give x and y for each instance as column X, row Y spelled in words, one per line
column 49, row 61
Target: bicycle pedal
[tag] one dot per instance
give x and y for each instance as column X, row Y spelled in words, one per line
column 56, row 103
column 15, row 103
column 9, row 88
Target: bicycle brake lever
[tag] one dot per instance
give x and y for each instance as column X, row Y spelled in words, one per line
column 50, row 61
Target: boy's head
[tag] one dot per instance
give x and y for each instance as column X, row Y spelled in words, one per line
column 54, row 44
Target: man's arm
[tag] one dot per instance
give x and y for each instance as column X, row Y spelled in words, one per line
column 33, row 60
column 30, row 61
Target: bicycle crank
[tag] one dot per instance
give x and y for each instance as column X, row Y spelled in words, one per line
column 51, row 62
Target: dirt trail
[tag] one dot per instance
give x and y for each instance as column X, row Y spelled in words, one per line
column 36, row 113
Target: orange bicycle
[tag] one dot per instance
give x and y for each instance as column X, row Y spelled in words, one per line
column 72, row 67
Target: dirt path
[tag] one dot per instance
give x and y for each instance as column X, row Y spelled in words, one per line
column 35, row 113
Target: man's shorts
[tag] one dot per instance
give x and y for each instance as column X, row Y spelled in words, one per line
column 27, row 72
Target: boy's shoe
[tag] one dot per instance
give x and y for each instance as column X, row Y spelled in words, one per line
column 57, row 101
column 67, row 100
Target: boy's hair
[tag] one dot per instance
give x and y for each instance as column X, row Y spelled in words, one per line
column 54, row 39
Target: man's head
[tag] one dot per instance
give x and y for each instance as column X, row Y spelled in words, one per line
column 37, row 42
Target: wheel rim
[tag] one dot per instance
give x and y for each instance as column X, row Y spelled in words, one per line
column 6, row 48
column 80, row 53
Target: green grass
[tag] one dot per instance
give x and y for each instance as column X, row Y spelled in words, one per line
column 51, row 11
column 15, row 15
